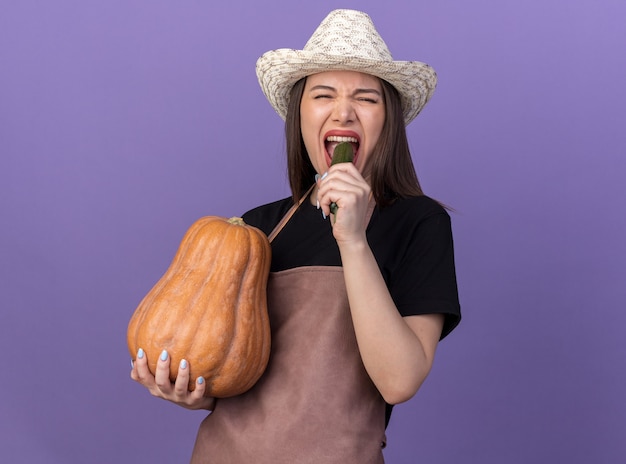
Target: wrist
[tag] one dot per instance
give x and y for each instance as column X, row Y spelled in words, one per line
column 353, row 248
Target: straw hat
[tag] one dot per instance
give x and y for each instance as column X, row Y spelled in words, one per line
column 345, row 40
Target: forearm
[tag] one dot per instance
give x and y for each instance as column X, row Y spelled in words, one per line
column 396, row 358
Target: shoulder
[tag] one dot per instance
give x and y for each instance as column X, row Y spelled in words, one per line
column 266, row 216
column 410, row 229
column 412, row 211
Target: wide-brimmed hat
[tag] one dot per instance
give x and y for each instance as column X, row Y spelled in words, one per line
column 345, row 40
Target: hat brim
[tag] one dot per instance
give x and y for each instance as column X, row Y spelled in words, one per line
column 278, row 70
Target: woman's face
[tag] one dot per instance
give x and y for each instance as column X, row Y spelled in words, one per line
column 341, row 106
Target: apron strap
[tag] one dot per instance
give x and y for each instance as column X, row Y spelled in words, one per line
column 287, row 216
column 294, row 208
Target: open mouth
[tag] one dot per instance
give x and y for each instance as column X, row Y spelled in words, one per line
column 333, row 140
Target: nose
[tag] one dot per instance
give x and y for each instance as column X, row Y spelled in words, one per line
column 343, row 112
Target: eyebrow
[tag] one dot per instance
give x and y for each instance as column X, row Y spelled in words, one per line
column 356, row 92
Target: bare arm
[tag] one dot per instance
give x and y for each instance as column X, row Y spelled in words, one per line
column 397, row 352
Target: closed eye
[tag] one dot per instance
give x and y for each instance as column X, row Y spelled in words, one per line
column 368, row 95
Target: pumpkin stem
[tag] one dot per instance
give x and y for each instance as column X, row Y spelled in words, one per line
column 237, row 221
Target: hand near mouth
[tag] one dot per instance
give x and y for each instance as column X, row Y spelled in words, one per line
column 344, row 186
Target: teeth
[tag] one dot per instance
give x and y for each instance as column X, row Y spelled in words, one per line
column 337, row 138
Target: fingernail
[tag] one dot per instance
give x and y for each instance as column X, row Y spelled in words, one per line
column 323, row 214
column 183, row 364
column 132, row 364
column 200, row 380
column 324, row 176
column 317, row 177
column 318, row 204
column 140, row 353
column 164, row 355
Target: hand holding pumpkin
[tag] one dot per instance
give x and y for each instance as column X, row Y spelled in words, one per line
column 161, row 386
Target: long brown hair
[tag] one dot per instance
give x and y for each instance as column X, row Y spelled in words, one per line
column 391, row 172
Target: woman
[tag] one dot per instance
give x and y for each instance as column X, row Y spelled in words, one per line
column 358, row 299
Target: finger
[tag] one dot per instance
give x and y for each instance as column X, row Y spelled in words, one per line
column 338, row 195
column 198, row 392
column 346, row 171
column 327, row 193
column 141, row 372
column 337, row 182
column 181, row 385
column 198, row 399
column 348, row 168
column 133, row 371
column 162, row 374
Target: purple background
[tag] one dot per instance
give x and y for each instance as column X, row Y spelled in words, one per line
column 121, row 122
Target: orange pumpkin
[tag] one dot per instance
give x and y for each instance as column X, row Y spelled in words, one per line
column 210, row 308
